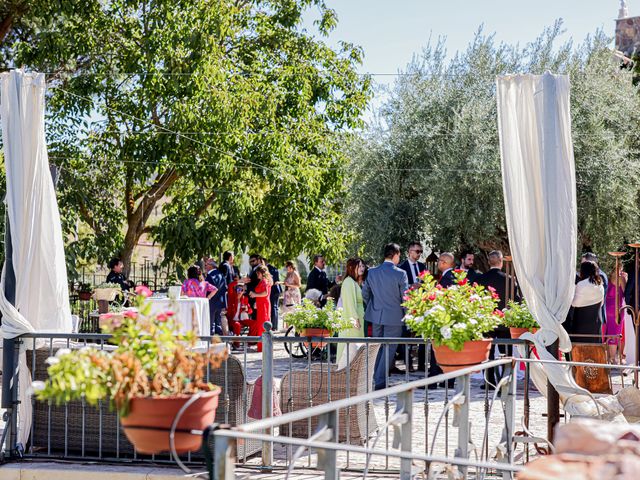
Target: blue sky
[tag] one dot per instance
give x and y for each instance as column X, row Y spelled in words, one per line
column 391, row 31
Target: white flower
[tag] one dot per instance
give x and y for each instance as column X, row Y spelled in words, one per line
column 446, row 332
column 473, row 321
column 435, row 309
column 62, row 351
column 419, row 319
column 52, row 361
column 408, row 317
column 460, row 326
column 37, row 386
column 474, row 298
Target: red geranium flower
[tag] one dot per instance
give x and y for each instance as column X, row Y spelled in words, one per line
column 498, row 313
column 432, row 296
column 464, row 281
column 458, row 271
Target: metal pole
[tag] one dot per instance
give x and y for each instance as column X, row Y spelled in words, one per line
column 328, row 458
column 224, row 461
column 636, row 247
column 267, row 390
column 464, row 426
column 553, row 399
column 508, row 398
column 406, row 401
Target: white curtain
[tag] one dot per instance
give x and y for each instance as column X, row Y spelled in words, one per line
column 41, row 297
column 538, row 175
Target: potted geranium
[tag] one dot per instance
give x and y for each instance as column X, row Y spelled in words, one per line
column 311, row 321
column 84, row 291
column 456, row 319
column 519, row 319
column 148, row 377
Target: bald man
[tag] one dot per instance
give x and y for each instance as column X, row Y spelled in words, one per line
column 446, row 263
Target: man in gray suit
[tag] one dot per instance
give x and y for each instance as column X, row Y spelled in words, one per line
column 382, row 293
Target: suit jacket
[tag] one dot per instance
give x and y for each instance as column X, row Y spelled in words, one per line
column 216, row 278
column 276, row 290
column 227, row 272
column 497, row 279
column 406, row 266
column 382, row 293
column 447, row 279
column 318, row 279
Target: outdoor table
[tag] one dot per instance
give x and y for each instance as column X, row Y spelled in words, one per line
column 188, row 310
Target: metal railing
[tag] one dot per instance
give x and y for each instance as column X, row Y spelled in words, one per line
column 325, row 438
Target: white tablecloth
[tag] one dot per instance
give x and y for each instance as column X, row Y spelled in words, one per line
column 188, row 311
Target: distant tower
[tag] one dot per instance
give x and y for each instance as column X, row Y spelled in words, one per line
column 624, row 11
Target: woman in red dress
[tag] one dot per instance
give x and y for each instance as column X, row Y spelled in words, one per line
column 263, row 305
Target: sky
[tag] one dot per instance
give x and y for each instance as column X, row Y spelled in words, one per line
column 392, row 31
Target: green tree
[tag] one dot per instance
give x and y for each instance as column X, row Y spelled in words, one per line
column 223, row 113
column 430, row 168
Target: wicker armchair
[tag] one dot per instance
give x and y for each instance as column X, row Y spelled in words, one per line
column 75, row 429
column 295, row 395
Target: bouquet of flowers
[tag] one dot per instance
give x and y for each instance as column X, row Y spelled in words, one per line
column 451, row 316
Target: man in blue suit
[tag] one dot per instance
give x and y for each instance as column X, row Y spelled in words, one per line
column 218, row 302
column 382, row 293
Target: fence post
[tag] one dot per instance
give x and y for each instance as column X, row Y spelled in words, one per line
column 223, row 457
column 508, row 399
column 10, row 353
column 464, row 426
column 267, row 390
column 327, row 459
column 406, row 403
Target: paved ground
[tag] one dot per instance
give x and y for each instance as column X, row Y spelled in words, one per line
column 428, row 408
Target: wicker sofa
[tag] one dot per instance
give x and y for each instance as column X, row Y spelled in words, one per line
column 295, row 395
column 82, row 430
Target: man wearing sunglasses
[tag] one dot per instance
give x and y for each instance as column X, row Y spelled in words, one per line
column 413, row 267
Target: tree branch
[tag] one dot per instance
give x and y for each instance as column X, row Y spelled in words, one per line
column 207, row 203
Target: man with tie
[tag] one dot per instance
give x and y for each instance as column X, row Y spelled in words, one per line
column 317, row 278
column 413, row 267
column 382, row 293
column 227, row 266
column 218, row 302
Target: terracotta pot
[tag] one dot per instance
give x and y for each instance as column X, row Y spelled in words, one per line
column 472, row 353
column 85, row 296
column 315, row 332
column 517, row 331
column 159, row 413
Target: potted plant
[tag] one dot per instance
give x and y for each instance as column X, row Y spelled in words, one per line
column 519, row 319
column 311, row 321
column 148, row 377
column 455, row 319
column 107, row 291
column 84, row 291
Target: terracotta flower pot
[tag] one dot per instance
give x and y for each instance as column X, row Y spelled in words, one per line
column 516, row 331
column 315, row 332
column 472, row 353
column 85, row 296
column 159, row 413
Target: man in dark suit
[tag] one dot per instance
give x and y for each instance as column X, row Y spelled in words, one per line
column 226, row 268
column 317, row 278
column 274, row 297
column 218, row 302
column 467, row 259
column 382, row 293
column 413, row 267
column 497, row 280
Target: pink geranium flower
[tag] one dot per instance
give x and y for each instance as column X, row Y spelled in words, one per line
column 130, row 314
column 143, row 291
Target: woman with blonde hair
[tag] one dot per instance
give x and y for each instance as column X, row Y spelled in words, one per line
column 352, row 307
column 292, row 285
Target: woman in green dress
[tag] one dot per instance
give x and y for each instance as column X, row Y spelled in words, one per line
column 352, row 307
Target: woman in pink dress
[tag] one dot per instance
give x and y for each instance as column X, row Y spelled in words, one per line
column 196, row 286
column 263, row 305
column 611, row 327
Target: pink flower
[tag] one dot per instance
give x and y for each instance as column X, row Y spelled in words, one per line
column 458, row 271
column 169, row 313
column 106, row 316
column 491, row 289
column 464, row 281
column 162, row 317
column 432, row 296
column 130, row 314
column 405, row 298
column 424, row 273
column 498, row 313
column 143, row 291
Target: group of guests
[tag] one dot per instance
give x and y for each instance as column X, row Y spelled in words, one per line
column 593, row 318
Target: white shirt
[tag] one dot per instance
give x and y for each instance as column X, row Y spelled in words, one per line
column 414, row 270
column 587, row 293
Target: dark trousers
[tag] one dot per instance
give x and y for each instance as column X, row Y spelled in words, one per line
column 404, row 351
column 215, row 316
column 386, row 354
column 494, row 375
column 274, row 314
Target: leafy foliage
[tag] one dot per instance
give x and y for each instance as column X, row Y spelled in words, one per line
column 221, row 117
column 517, row 315
column 307, row 315
column 430, row 167
column 454, row 315
column 150, row 360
